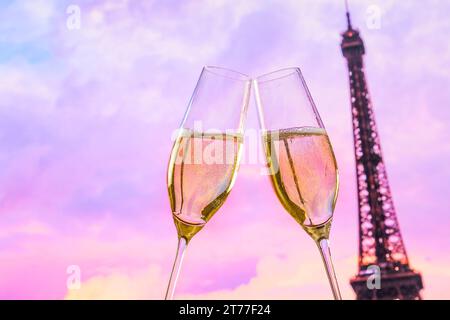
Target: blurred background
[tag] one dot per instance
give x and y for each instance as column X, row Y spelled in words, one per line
column 91, row 91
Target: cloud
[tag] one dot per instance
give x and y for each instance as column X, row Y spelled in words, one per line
column 30, row 228
column 276, row 278
column 145, row 284
column 85, row 138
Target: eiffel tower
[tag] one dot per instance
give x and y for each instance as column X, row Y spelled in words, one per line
column 381, row 249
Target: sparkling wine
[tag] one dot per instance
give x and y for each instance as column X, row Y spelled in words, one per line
column 202, row 170
column 304, row 175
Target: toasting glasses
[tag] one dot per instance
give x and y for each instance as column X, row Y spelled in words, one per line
column 203, row 163
column 300, row 158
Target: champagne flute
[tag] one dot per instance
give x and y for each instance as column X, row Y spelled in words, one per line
column 300, row 159
column 205, row 156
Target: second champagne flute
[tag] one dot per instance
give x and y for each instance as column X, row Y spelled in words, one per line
column 301, row 162
column 205, row 156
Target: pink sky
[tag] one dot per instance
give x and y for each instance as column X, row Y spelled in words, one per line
column 86, row 118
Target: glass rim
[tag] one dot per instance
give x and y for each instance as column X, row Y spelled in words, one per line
column 227, row 73
column 278, row 74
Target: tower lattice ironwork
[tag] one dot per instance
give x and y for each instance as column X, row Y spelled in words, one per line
column 381, row 248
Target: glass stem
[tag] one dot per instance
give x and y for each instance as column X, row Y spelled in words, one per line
column 182, row 244
column 326, row 256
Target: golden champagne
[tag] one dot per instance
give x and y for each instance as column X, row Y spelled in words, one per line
column 304, row 175
column 202, row 170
